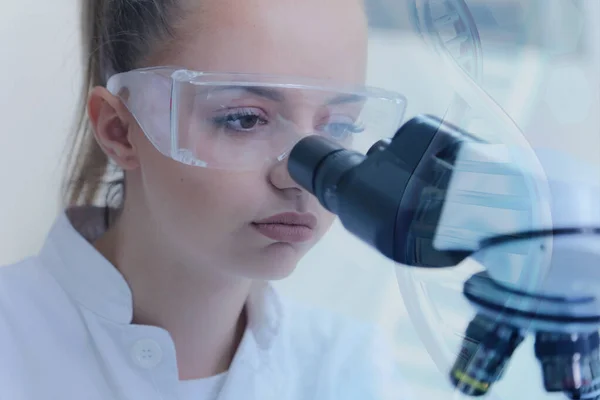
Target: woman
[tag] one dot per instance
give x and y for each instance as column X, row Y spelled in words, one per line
column 165, row 294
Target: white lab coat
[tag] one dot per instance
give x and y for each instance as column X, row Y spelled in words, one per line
column 66, row 333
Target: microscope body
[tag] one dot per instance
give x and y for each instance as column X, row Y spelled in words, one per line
column 531, row 218
column 435, row 195
column 536, row 232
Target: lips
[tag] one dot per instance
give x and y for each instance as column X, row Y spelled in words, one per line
column 287, row 227
column 307, row 220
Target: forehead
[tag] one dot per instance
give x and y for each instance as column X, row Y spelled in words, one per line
column 324, row 39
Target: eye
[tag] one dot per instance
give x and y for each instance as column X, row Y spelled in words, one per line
column 242, row 120
column 340, row 127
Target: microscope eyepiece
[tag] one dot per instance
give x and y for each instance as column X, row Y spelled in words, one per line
column 392, row 197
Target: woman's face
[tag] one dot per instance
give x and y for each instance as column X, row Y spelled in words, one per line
column 210, row 215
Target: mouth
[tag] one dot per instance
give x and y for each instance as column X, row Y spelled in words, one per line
column 288, row 227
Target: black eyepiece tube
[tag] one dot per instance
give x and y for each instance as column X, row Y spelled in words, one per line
column 318, row 165
column 392, row 197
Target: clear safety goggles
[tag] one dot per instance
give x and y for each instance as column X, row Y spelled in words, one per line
column 245, row 121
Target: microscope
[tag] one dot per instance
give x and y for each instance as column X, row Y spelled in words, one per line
column 435, row 195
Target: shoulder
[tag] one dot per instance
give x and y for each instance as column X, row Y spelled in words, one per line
column 23, row 279
column 28, row 295
column 357, row 358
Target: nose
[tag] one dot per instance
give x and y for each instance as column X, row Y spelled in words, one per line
column 278, row 174
column 280, row 178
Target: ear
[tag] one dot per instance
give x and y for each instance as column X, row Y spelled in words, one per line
column 112, row 124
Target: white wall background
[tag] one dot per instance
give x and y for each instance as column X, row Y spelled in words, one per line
column 40, row 77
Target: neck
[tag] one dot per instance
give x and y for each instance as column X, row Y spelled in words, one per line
column 202, row 309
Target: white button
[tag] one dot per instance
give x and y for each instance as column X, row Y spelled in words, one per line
column 146, row 353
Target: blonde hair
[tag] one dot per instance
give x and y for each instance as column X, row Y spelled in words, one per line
column 118, row 35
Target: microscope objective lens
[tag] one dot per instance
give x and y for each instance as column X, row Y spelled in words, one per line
column 570, row 363
column 484, row 355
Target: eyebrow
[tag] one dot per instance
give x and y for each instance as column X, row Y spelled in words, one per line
column 267, row 93
column 275, row 95
column 347, row 98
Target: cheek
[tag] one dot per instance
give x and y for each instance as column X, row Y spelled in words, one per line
column 199, row 201
column 327, row 218
column 227, row 197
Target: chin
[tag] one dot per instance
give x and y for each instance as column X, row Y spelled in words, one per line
column 277, row 261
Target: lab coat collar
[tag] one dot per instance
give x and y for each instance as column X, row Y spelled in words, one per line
column 94, row 283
